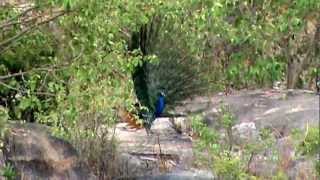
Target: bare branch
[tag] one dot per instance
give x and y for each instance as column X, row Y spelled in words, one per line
column 25, row 92
column 25, row 20
column 46, row 69
column 7, row 43
column 54, row 68
column 22, row 21
column 17, row 16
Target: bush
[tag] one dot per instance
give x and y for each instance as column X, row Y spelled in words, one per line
column 3, row 120
column 9, row 172
column 212, row 152
column 311, row 145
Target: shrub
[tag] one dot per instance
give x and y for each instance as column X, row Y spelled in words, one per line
column 3, row 120
column 212, row 152
column 311, row 145
column 9, row 172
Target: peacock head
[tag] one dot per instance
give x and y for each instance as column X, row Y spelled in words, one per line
column 162, row 93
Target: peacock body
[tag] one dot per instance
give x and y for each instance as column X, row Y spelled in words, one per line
column 160, row 105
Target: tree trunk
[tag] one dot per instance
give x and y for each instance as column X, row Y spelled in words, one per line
column 292, row 73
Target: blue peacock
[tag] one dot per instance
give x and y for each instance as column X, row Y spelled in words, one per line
column 160, row 86
column 148, row 115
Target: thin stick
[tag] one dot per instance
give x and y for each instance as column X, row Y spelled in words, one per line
column 25, row 92
column 16, row 17
column 160, row 151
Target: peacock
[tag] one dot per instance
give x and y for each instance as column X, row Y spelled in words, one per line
column 149, row 107
column 160, row 86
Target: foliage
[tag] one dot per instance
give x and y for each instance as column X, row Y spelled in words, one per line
column 227, row 120
column 310, row 145
column 221, row 37
column 263, row 73
column 69, row 63
column 3, row 120
column 9, row 172
column 213, row 153
column 76, row 85
column 280, row 176
column 213, row 150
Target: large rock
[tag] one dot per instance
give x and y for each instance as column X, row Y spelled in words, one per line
column 244, row 133
column 278, row 157
column 162, row 151
column 277, row 109
column 282, row 158
column 181, row 175
column 280, row 111
column 303, row 169
column 168, row 153
column 36, row 154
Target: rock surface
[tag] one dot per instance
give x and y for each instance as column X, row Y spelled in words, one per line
column 278, row 110
column 245, row 132
column 282, row 110
column 167, row 153
column 37, row 155
column 181, row 175
column 164, row 150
